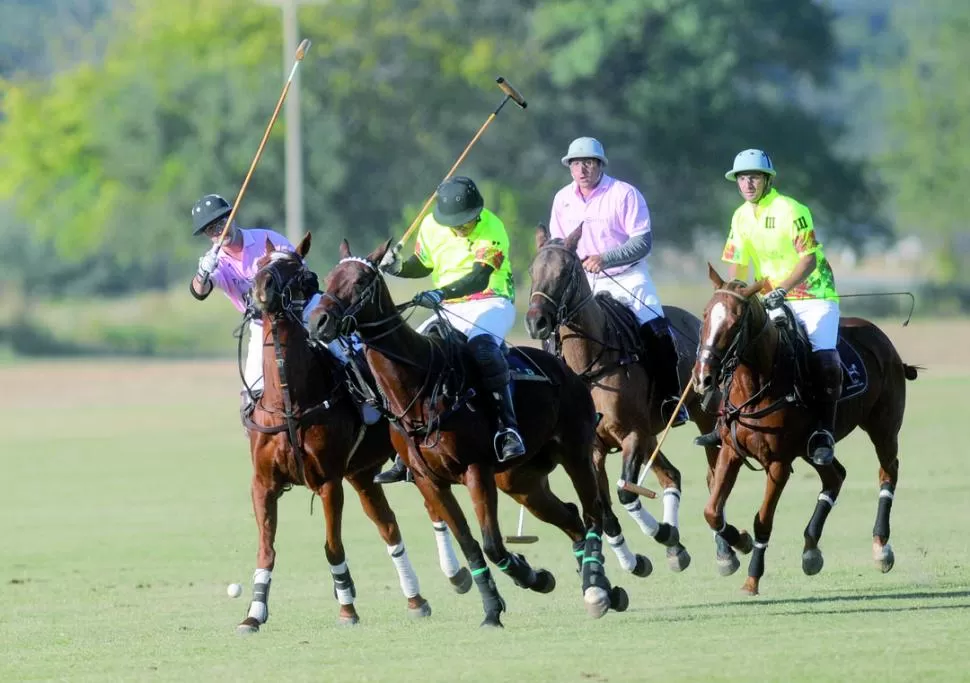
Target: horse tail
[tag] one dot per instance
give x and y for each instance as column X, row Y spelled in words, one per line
column 911, row 371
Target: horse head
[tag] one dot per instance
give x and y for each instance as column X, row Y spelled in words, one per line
column 353, row 296
column 556, row 274
column 283, row 284
column 729, row 317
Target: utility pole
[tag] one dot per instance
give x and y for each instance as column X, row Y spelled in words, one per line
column 294, row 137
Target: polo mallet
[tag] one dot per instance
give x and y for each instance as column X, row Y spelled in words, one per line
column 300, row 54
column 638, row 488
column 519, row 538
column 510, row 94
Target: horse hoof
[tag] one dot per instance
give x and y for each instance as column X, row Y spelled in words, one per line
column 462, row 581
column 750, row 587
column 545, row 581
column 678, row 559
column 492, row 621
column 812, row 561
column 728, row 564
column 885, row 558
column 746, row 544
column 423, row 610
column 619, row 600
column 668, row 535
column 351, row 620
column 597, row 601
column 247, row 626
column 643, row 568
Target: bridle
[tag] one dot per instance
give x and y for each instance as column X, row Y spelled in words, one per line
column 563, row 314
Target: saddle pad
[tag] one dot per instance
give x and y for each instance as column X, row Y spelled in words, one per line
column 855, row 377
column 522, row 369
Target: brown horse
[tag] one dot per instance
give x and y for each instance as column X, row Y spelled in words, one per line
column 595, row 339
column 444, row 434
column 305, row 430
column 758, row 370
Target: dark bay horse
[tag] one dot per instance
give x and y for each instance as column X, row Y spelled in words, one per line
column 305, row 430
column 592, row 339
column 764, row 419
column 444, row 434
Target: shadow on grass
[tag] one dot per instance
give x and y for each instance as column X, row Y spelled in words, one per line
column 842, row 597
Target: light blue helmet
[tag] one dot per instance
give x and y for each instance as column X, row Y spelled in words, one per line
column 585, row 148
column 751, row 160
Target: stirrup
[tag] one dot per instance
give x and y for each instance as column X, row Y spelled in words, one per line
column 669, row 404
column 827, row 444
column 499, row 440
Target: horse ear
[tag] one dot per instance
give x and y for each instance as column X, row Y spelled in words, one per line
column 378, row 254
column 715, row 278
column 269, row 246
column 573, row 238
column 542, row 235
column 304, row 246
column 345, row 249
column 755, row 287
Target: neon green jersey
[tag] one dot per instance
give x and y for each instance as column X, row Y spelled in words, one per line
column 451, row 257
column 774, row 235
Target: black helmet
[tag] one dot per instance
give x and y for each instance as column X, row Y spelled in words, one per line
column 459, row 202
column 207, row 210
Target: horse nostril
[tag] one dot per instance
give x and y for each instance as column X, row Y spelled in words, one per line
column 707, row 381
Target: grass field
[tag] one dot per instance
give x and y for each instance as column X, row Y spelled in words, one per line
column 126, row 512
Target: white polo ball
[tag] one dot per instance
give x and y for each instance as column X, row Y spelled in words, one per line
column 234, row 590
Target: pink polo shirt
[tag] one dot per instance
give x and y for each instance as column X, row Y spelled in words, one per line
column 234, row 276
column 612, row 214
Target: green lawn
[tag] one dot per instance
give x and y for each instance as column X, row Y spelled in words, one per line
column 126, row 509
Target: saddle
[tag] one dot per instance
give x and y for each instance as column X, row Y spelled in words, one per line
column 795, row 352
column 520, row 367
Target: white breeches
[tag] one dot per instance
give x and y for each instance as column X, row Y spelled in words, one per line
column 821, row 321
column 634, row 288
column 494, row 316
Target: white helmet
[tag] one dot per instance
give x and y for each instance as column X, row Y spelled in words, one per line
column 585, row 148
column 751, row 160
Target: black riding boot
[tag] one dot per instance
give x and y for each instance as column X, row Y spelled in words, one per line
column 662, row 360
column 495, row 379
column 711, row 439
column 398, row 472
column 827, row 377
column 508, row 441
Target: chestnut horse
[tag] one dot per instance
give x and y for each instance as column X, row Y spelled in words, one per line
column 759, row 372
column 305, row 430
column 444, row 434
column 597, row 339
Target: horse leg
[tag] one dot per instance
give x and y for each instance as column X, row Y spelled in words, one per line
column 832, row 476
column 444, row 506
column 887, row 449
column 375, row 506
column 598, row 595
column 776, row 476
column 480, row 482
column 332, row 498
column 459, row 577
column 678, row 559
column 636, row 564
column 265, row 499
column 727, row 538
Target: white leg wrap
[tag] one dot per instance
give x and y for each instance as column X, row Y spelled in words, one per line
column 258, row 610
column 447, row 559
column 644, row 519
column 345, row 596
column 623, row 553
column 671, row 506
column 405, row 572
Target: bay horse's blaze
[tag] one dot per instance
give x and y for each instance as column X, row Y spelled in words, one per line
column 738, row 356
column 305, row 430
column 557, row 421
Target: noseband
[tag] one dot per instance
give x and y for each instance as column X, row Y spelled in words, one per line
column 293, row 291
column 563, row 316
